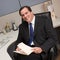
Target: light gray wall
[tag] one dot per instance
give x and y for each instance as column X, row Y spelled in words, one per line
column 8, row 6
column 56, row 4
column 31, row 2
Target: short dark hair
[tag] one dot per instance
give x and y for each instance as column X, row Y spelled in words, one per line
column 28, row 7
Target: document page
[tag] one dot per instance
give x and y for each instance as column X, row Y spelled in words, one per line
column 25, row 49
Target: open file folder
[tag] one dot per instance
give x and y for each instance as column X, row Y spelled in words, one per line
column 25, row 49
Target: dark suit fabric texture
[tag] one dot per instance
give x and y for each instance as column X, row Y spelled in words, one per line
column 44, row 36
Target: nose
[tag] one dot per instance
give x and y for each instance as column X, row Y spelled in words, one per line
column 25, row 15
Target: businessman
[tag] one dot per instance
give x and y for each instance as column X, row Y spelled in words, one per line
column 41, row 39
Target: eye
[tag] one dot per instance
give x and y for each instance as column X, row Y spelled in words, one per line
column 24, row 14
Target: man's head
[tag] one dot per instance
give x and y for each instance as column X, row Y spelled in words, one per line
column 26, row 13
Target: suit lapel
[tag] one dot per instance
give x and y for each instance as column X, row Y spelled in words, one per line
column 35, row 27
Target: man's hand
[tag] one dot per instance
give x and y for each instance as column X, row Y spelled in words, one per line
column 37, row 50
column 18, row 49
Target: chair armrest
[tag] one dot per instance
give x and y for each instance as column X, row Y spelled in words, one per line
column 52, row 53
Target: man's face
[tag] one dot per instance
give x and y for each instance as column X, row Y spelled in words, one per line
column 26, row 15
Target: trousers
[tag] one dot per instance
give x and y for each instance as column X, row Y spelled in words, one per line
column 32, row 56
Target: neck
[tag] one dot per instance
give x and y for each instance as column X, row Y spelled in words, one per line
column 31, row 19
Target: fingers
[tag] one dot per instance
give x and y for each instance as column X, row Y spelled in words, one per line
column 37, row 50
column 18, row 49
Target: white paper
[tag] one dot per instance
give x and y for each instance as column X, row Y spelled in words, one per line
column 25, row 49
column 20, row 52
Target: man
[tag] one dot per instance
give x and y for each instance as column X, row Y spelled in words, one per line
column 43, row 36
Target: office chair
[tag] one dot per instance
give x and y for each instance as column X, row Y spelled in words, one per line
column 52, row 53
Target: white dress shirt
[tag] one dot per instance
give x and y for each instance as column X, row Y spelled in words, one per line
column 33, row 24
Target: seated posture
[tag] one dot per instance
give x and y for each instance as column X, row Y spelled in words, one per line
column 37, row 32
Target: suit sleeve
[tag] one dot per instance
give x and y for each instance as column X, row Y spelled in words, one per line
column 51, row 35
column 19, row 38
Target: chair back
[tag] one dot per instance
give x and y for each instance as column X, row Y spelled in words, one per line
column 47, row 14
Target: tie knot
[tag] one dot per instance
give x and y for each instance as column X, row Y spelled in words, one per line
column 30, row 23
column 31, row 28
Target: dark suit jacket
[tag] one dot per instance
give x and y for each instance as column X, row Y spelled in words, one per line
column 44, row 34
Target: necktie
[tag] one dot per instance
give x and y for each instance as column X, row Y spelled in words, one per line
column 31, row 34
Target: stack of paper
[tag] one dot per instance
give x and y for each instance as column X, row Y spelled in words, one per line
column 25, row 49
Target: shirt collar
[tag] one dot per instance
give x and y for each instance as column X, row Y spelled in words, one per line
column 33, row 20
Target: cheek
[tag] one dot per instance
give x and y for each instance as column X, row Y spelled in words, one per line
column 30, row 17
column 23, row 18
